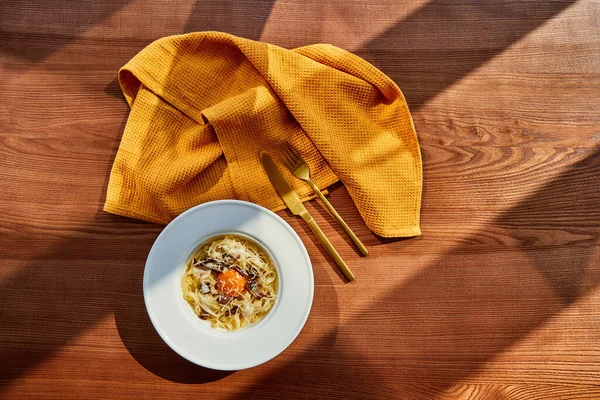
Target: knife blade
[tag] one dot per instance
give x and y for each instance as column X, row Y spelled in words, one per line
column 292, row 201
column 283, row 188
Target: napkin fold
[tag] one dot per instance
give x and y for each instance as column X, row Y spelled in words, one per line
column 203, row 105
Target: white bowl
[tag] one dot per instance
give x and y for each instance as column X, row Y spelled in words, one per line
column 194, row 339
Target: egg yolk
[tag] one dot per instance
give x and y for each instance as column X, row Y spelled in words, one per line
column 231, row 283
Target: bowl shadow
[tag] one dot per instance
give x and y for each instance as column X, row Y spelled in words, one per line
column 146, row 346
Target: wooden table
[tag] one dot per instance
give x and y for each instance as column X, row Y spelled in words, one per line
column 499, row 298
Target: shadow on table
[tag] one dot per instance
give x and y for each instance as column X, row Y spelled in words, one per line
column 56, row 24
column 245, row 18
column 146, row 346
column 568, row 210
column 114, row 89
column 71, row 288
column 445, row 40
column 449, row 320
column 442, row 325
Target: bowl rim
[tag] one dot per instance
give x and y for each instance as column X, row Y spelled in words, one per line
column 231, row 366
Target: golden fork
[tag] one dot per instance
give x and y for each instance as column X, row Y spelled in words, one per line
column 299, row 168
column 292, row 201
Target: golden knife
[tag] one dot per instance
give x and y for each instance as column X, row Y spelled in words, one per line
column 291, row 199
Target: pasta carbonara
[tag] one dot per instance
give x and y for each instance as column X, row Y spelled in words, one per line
column 230, row 282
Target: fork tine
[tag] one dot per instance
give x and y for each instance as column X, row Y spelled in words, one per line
column 294, row 154
column 294, row 162
column 286, row 161
column 291, row 158
column 298, row 156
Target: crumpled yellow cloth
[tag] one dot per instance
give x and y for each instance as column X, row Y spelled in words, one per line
column 204, row 104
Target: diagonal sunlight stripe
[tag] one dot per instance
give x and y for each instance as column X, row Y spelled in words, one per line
column 55, row 298
column 81, row 346
column 444, row 41
column 245, row 18
column 453, row 317
column 415, row 62
column 349, row 25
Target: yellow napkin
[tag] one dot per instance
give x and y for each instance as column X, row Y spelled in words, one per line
column 204, row 104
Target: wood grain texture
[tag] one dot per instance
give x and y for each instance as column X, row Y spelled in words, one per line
column 498, row 299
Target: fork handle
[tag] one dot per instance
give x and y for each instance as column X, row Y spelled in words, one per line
column 361, row 247
column 330, row 249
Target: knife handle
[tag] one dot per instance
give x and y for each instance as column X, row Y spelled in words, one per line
column 332, row 251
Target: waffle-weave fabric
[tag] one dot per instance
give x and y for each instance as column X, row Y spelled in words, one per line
column 203, row 105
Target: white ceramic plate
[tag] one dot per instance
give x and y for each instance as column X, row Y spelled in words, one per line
column 195, row 339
